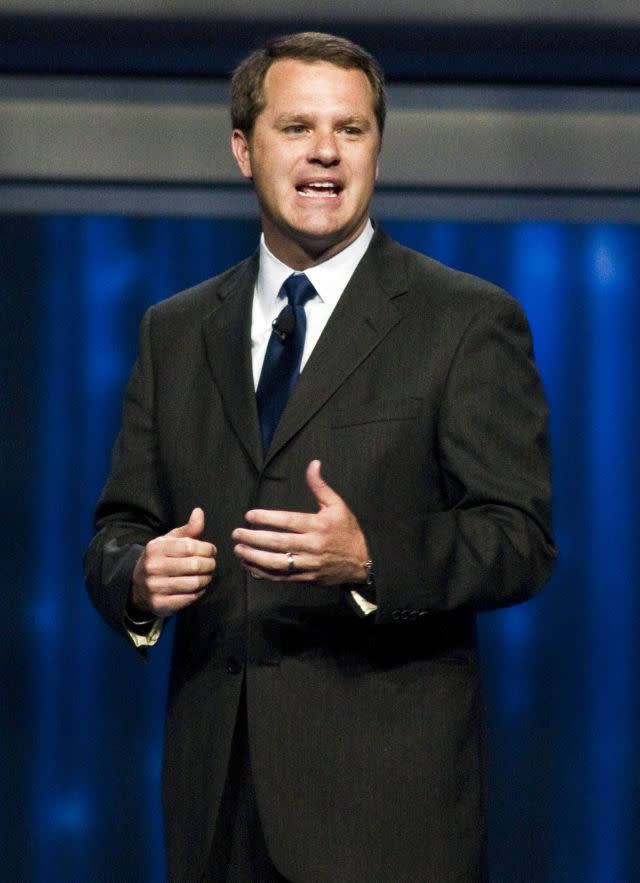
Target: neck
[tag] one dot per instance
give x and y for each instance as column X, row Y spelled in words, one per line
column 301, row 255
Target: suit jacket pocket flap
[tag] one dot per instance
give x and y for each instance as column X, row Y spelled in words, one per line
column 378, row 410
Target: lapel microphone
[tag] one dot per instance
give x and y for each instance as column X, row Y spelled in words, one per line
column 284, row 324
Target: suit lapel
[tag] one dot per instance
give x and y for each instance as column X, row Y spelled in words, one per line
column 227, row 334
column 364, row 315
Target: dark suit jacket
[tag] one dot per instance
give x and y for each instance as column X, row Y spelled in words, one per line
column 423, row 403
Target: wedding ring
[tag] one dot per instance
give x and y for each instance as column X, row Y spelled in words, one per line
column 291, row 565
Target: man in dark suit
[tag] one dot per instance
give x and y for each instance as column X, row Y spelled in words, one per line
column 352, row 441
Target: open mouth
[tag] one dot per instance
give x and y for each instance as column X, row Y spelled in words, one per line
column 319, row 189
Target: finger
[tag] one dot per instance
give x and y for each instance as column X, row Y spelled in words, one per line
column 184, row 547
column 270, row 561
column 273, row 541
column 165, row 566
column 324, row 494
column 273, row 565
column 282, row 519
column 177, row 585
column 193, row 527
column 278, row 575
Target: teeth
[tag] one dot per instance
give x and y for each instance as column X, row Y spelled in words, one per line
column 318, row 194
column 326, row 188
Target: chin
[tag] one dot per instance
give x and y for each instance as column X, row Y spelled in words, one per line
column 329, row 230
column 318, row 242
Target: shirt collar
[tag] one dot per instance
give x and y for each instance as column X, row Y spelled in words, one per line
column 329, row 278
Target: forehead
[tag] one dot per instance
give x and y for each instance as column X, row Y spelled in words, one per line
column 291, row 84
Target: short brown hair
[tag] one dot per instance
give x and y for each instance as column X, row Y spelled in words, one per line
column 247, row 82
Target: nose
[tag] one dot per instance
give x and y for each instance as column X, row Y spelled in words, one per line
column 324, row 149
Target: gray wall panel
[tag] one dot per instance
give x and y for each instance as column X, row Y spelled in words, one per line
column 80, row 140
column 502, row 149
column 500, row 139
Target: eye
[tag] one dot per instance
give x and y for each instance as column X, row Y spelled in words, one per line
column 352, row 130
column 295, row 129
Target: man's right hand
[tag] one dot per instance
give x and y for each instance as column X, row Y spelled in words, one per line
column 174, row 569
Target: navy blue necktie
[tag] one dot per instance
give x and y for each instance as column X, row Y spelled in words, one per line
column 281, row 367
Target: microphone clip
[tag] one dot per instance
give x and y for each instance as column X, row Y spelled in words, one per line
column 279, row 332
column 283, row 325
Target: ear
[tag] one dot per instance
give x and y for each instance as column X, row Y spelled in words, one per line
column 241, row 151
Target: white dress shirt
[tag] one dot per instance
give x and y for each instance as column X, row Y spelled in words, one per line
column 329, row 279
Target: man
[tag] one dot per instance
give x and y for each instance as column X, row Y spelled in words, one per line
column 324, row 475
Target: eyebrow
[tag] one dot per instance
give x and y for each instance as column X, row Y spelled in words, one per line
column 308, row 119
column 359, row 120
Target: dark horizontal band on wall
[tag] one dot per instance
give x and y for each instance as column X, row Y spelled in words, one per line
column 145, row 200
column 409, row 50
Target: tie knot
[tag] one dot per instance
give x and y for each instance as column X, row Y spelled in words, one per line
column 298, row 289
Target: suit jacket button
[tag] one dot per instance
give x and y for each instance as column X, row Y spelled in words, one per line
column 233, row 666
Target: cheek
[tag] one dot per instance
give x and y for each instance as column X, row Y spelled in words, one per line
column 366, row 173
column 274, row 192
column 274, row 177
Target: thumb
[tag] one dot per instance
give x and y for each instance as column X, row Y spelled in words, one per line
column 325, row 495
column 193, row 528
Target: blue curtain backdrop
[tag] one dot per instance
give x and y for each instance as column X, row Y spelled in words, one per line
column 82, row 717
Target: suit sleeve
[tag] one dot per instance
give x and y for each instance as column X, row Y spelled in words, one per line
column 132, row 508
column 491, row 545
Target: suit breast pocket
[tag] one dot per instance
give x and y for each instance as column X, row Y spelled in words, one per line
column 380, row 451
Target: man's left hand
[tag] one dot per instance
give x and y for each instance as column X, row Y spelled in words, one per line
column 325, row 547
